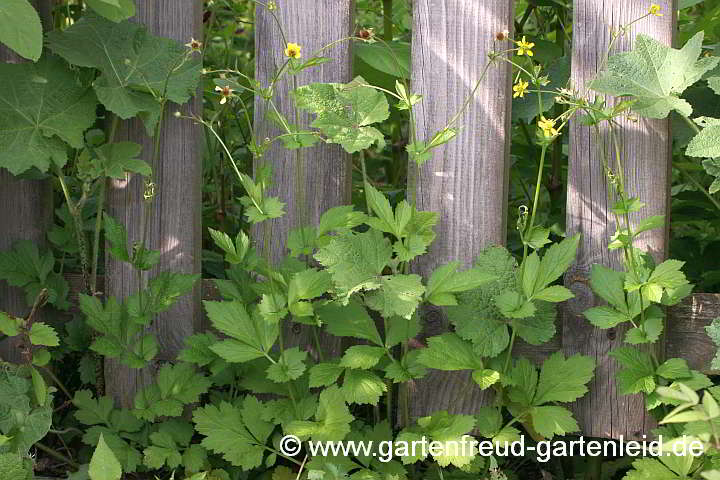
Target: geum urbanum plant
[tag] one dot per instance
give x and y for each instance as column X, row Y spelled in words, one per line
column 651, row 79
column 350, row 276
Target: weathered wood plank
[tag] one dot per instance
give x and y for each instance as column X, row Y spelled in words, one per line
column 465, row 180
column 310, row 180
column 686, row 336
column 175, row 222
column 646, row 147
column 26, row 214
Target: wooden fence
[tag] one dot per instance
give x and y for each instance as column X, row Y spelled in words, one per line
column 466, row 181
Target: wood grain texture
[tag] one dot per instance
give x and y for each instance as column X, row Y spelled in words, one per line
column 646, row 154
column 310, row 180
column 175, row 225
column 26, row 214
column 466, row 181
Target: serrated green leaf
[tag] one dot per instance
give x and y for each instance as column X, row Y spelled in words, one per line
column 363, row 387
column 362, row 356
column 398, row 295
column 43, row 334
column 104, row 465
column 351, row 320
column 228, row 432
column 563, row 379
column 446, row 281
column 549, row 421
column 638, row 373
column 706, row 143
column 356, row 261
column 332, row 418
column 290, row 366
column 605, row 317
column 449, row 352
column 251, row 337
column 324, row 374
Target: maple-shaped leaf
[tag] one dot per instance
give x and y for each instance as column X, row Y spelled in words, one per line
column 345, row 111
column 136, row 67
column 356, row 260
column 656, row 75
column 43, row 107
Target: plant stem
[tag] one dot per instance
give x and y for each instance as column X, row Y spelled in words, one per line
column 509, row 352
column 699, row 186
column 57, row 455
column 388, row 20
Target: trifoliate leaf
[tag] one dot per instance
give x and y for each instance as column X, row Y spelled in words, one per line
column 161, row 293
column 656, row 75
column 175, row 387
column 237, row 433
column 31, row 269
column 449, row 352
column 251, row 337
column 290, row 366
column 563, row 380
column 356, row 261
column 514, row 305
column 21, row 28
column 131, row 62
column 332, row 418
column 398, row 295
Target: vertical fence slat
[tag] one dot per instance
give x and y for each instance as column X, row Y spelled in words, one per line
column 26, row 214
column 465, row 180
column 603, row 412
column 175, row 224
column 309, row 180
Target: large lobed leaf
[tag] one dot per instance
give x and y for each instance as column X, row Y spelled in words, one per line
column 655, row 75
column 136, row 67
column 43, row 107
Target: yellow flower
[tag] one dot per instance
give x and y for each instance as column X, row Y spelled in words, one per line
column 293, row 50
column 226, row 92
column 520, row 88
column 525, row 47
column 548, row 127
column 272, row 6
column 655, row 10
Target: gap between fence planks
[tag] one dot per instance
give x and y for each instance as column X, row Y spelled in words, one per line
column 466, row 180
column 27, row 213
column 175, row 226
column 297, row 177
